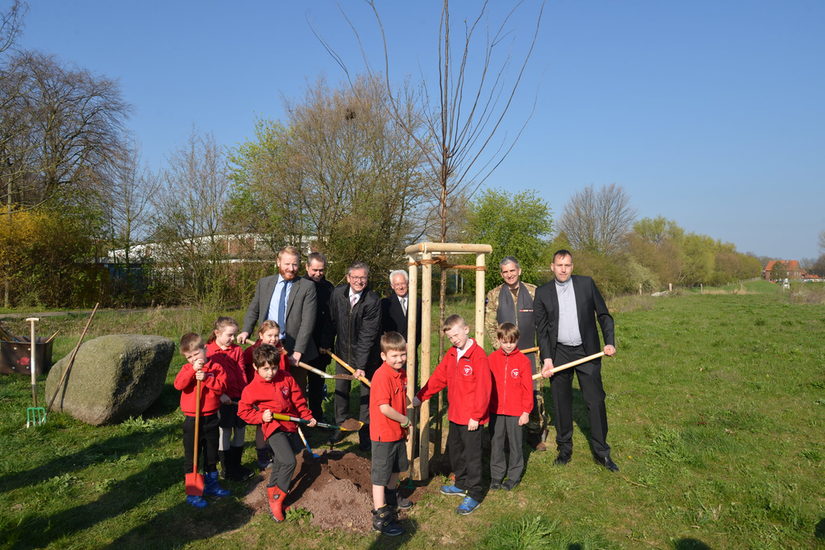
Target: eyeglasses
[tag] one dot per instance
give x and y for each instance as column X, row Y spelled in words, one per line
column 354, row 278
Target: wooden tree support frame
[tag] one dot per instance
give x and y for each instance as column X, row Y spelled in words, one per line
column 421, row 254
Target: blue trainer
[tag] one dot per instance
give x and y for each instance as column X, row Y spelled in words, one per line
column 467, row 506
column 196, row 501
column 453, row 490
column 211, row 487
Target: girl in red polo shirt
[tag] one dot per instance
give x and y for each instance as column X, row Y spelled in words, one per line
column 275, row 391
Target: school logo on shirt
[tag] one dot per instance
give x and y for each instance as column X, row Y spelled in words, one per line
column 468, row 370
column 514, row 373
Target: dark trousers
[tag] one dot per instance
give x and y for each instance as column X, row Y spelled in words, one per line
column 590, row 382
column 506, row 430
column 283, row 460
column 207, row 440
column 315, row 386
column 342, row 390
column 465, row 449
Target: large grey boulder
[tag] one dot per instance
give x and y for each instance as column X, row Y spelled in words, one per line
column 113, row 377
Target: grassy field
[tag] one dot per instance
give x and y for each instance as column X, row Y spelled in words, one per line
column 716, row 403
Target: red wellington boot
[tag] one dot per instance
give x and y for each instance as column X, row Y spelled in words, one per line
column 276, row 502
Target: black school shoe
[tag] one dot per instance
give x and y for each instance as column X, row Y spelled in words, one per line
column 384, row 521
column 606, row 462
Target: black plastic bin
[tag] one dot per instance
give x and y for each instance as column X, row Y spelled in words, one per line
column 15, row 357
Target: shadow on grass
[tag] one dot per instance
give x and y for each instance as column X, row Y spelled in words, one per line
column 37, row 531
column 176, row 526
column 690, row 544
column 383, row 542
column 110, row 448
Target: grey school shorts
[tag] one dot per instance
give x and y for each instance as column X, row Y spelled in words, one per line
column 388, row 457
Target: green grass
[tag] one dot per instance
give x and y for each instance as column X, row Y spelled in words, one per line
column 716, row 403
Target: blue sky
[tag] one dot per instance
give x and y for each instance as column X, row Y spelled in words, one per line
column 708, row 113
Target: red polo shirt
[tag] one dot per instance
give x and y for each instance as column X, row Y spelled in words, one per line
column 389, row 386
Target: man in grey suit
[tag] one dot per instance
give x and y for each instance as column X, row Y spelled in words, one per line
column 288, row 300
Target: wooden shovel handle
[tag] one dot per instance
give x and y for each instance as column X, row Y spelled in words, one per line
column 571, row 364
column 530, row 350
column 341, row 362
column 71, row 360
column 197, row 424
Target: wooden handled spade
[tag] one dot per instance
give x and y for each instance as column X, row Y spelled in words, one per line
column 341, row 362
column 323, row 374
column 353, row 428
column 571, row 364
column 194, row 481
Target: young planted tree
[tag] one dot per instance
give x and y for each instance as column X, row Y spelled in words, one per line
column 464, row 108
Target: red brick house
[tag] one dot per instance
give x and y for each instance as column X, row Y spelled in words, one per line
column 790, row 267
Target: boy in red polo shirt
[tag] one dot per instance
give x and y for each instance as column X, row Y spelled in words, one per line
column 275, row 391
column 388, row 433
column 510, row 405
column 466, row 375
column 213, row 384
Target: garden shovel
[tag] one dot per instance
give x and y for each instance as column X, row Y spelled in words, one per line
column 35, row 415
column 353, row 428
column 194, row 481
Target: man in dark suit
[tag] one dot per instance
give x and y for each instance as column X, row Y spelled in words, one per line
column 324, row 333
column 289, row 301
column 394, row 309
column 566, row 310
column 355, row 311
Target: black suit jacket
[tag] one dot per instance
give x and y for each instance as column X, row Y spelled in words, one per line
column 589, row 307
column 324, row 333
column 357, row 329
column 393, row 317
column 300, row 314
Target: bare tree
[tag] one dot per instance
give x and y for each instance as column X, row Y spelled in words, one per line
column 342, row 171
column 822, row 242
column 464, row 110
column 597, row 221
column 187, row 221
column 129, row 204
column 11, row 24
column 62, row 129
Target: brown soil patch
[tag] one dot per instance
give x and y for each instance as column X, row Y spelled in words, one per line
column 336, row 488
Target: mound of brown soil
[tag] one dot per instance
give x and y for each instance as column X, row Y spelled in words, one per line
column 335, row 488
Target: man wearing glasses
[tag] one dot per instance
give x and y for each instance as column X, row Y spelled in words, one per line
column 355, row 311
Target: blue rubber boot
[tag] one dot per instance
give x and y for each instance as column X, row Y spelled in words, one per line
column 196, row 501
column 211, row 487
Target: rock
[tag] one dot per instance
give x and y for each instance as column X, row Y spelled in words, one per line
column 113, row 377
